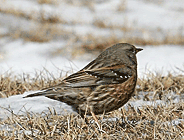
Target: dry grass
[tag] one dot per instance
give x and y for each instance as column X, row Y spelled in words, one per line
column 163, row 121
column 43, row 32
column 122, row 6
column 14, row 85
column 148, row 123
column 99, row 44
column 162, row 83
column 38, row 16
column 145, row 122
column 48, row 32
column 47, row 1
column 46, row 28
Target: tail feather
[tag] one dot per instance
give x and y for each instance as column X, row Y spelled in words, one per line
column 41, row 93
column 35, row 94
column 66, row 97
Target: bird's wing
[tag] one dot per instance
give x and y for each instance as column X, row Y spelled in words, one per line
column 94, row 74
column 94, row 77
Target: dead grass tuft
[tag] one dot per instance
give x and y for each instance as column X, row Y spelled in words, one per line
column 99, row 23
column 157, row 121
column 14, row 85
column 93, row 44
column 47, row 1
column 122, row 6
column 162, row 83
column 38, row 16
column 144, row 123
column 41, row 33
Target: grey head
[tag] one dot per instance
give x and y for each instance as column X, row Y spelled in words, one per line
column 122, row 47
column 121, row 53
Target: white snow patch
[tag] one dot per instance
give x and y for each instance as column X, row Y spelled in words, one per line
column 20, row 105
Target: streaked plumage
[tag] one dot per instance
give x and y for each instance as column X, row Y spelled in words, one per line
column 105, row 84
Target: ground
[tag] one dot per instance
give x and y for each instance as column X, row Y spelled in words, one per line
column 43, row 41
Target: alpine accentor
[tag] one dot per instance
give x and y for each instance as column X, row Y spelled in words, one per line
column 104, row 85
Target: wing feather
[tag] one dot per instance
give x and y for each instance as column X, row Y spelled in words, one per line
column 95, row 77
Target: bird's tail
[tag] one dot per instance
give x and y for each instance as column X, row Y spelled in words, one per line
column 41, row 93
column 57, row 94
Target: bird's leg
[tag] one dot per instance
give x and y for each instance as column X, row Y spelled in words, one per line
column 94, row 117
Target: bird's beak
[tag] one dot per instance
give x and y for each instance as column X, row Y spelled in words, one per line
column 138, row 50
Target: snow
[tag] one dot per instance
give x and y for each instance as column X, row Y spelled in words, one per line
column 137, row 15
column 29, row 56
column 20, row 105
column 163, row 59
column 19, row 56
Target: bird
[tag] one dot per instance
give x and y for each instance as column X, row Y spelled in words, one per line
column 104, row 85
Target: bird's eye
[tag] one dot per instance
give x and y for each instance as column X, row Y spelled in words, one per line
column 132, row 50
